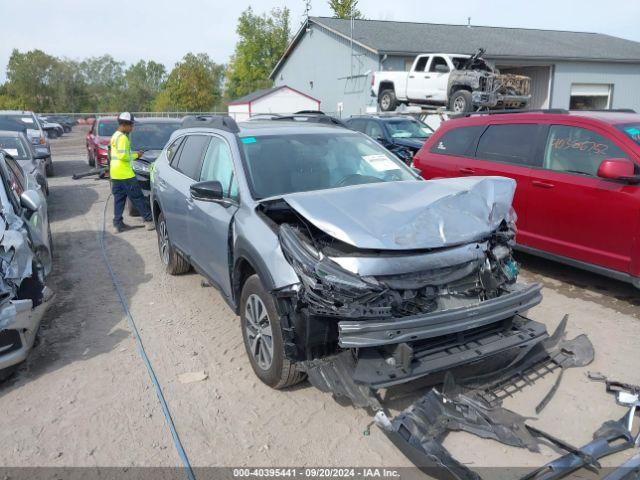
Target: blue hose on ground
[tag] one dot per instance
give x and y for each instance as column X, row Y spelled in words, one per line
column 143, row 354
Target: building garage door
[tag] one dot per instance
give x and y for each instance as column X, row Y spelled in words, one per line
column 540, row 79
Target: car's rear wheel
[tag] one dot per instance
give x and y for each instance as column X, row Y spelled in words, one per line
column 49, row 168
column 388, row 101
column 174, row 263
column 460, row 102
column 262, row 336
column 91, row 159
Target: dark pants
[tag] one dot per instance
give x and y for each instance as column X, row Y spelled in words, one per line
column 122, row 189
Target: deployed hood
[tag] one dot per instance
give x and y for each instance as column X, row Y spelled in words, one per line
column 410, row 214
column 150, row 156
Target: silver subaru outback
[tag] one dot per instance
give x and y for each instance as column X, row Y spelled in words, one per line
column 337, row 256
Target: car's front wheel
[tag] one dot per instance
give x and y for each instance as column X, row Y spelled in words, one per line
column 174, row 263
column 263, row 337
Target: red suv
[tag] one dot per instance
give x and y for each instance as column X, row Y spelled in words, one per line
column 98, row 139
column 578, row 175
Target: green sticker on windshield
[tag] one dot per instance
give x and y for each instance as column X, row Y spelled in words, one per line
column 248, row 140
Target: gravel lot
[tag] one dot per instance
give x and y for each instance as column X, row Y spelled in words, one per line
column 84, row 397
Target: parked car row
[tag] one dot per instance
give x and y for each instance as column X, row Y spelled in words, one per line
column 25, row 249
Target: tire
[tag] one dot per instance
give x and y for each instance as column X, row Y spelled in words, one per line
column 174, row 263
column 259, row 320
column 460, row 102
column 133, row 212
column 91, row 159
column 387, row 101
column 48, row 169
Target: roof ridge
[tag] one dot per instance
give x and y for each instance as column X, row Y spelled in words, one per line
column 466, row 26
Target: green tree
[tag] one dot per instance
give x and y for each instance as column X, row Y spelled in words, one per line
column 142, row 83
column 345, row 8
column 194, row 84
column 262, row 41
column 29, row 79
column 104, row 77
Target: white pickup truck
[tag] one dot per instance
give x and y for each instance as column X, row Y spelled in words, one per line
column 461, row 82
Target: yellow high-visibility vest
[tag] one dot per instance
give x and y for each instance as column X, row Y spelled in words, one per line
column 120, row 167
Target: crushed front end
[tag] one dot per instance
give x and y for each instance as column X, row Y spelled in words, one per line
column 404, row 313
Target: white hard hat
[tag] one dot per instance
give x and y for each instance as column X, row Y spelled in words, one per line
column 126, row 117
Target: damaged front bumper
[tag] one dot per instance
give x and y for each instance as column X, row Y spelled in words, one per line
column 492, row 100
column 19, row 324
column 373, row 333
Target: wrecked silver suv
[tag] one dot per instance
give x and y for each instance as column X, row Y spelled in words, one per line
column 329, row 247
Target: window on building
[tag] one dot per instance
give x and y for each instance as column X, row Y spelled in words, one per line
column 591, row 96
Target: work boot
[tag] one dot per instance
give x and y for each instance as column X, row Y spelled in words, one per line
column 149, row 225
column 121, row 227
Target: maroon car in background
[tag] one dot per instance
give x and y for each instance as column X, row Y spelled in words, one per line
column 578, row 176
column 97, row 140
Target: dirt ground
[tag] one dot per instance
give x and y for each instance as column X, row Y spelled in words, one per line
column 84, row 398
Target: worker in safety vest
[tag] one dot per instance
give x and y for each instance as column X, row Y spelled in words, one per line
column 123, row 179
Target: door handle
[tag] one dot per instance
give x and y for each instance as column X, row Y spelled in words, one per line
column 539, row 184
column 411, row 76
column 427, row 76
column 468, row 171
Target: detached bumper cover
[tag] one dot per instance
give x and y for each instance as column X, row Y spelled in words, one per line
column 373, row 333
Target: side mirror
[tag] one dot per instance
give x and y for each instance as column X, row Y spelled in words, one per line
column 442, row 69
column 618, row 169
column 31, row 200
column 40, row 155
column 206, row 191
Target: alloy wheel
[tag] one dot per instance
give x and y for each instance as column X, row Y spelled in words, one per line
column 259, row 334
column 163, row 240
column 459, row 105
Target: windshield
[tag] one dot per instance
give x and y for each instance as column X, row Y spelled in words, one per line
column 14, row 147
column 152, row 136
column 408, row 129
column 631, row 130
column 106, row 128
column 17, row 123
column 279, row 165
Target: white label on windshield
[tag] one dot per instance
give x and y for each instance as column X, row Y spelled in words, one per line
column 380, row 162
column 11, row 151
column 27, row 119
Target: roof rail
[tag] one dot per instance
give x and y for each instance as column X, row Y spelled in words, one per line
column 616, row 110
column 221, row 122
column 502, row 112
column 311, row 118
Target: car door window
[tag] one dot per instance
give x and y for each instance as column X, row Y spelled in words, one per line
column 457, row 141
column 218, row 165
column 358, row 125
column 16, row 177
column 374, row 131
column 172, row 150
column 422, row 64
column 578, row 150
column 515, row 144
column 438, row 61
column 191, row 155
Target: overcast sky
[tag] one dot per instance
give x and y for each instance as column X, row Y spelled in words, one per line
column 165, row 30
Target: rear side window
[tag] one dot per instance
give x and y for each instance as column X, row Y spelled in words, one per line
column 514, row 144
column 357, row 125
column 458, row 141
column 578, row 150
column 191, row 155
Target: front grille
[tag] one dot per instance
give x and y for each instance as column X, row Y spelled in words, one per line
column 9, row 341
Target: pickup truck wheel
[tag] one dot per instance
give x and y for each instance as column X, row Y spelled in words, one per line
column 388, row 101
column 263, row 337
column 174, row 263
column 460, row 102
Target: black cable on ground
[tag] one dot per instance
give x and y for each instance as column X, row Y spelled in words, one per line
column 143, row 353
